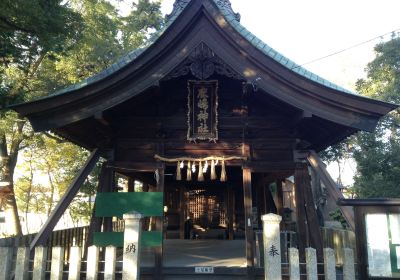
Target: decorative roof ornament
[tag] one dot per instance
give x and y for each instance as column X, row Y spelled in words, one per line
column 225, row 5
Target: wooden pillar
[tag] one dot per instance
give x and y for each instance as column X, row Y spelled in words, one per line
column 182, row 212
column 279, row 192
column 307, row 219
column 160, row 172
column 230, row 211
column 300, row 181
column 247, row 195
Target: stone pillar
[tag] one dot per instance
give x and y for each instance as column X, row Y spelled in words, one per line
column 57, row 261
column 22, row 263
column 272, row 246
column 329, row 264
column 131, row 257
column 39, row 264
column 92, row 268
column 348, row 264
column 311, row 264
column 5, row 264
column 74, row 263
column 294, row 266
column 110, row 263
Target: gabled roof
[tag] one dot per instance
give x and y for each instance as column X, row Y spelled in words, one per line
column 213, row 23
column 234, row 20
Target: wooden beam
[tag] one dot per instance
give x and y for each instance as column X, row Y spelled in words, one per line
column 134, row 166
column 248, row 205
column 317, row 164
column 45, row 231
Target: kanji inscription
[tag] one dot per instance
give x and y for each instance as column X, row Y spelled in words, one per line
column 202, row 110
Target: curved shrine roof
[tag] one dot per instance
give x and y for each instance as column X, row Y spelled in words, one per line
column 220, row 28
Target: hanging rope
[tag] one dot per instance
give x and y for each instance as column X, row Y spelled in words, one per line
column 191, row 159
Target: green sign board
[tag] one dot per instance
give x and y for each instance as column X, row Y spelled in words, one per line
column 116, row 204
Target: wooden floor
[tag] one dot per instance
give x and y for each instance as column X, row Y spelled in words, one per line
column 192, row 253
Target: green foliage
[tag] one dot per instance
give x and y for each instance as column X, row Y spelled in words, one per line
column 338, row 216
column 45, row 46
column 378, row 154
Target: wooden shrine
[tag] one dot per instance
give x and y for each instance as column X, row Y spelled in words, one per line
column 210, row 116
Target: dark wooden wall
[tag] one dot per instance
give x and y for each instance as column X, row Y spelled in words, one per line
column 249, row 124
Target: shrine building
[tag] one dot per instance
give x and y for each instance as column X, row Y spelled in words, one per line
column 211, row 128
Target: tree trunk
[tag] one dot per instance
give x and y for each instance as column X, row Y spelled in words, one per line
column 7, row 165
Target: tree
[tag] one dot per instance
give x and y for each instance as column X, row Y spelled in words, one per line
column 29, row 31
column 378, row 154
column 47, row 45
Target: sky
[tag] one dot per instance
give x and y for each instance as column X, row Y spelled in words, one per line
column 307, row 30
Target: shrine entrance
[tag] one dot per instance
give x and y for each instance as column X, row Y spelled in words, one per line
column 204, row 221
column 210, row 209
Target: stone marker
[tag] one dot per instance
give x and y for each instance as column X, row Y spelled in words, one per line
column 109, row 265
column 74, row 272
column 329, row 264
column 131, row 255
column 39, row 263
column 272, row 247
column 22, row 263
column 57, row 262
column 5, row 264
column 294, row 267
column 311, row 264
column 348, row 264
column 92, row 269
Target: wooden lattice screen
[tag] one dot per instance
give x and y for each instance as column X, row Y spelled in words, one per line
column 206, row 209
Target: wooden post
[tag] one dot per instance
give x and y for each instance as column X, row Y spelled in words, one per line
column 95, row 222
column 248, row 205
column 279, row 203
column 5, row 264
column 329, row 264
column 22, row 264
column 314, row 229
column 110, row 262
column 182, row 214
column 92, row 263
column 311, row 264
column 74, row 271
column 299, row 181
column 39, row 265
column 294, row 265
column 230, row 213
column 159, row 226
column 57, row 261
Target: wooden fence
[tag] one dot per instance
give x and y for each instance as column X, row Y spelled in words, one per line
column 106, row 263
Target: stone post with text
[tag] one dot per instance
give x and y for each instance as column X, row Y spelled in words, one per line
column 272, row 246
column 131, row 257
